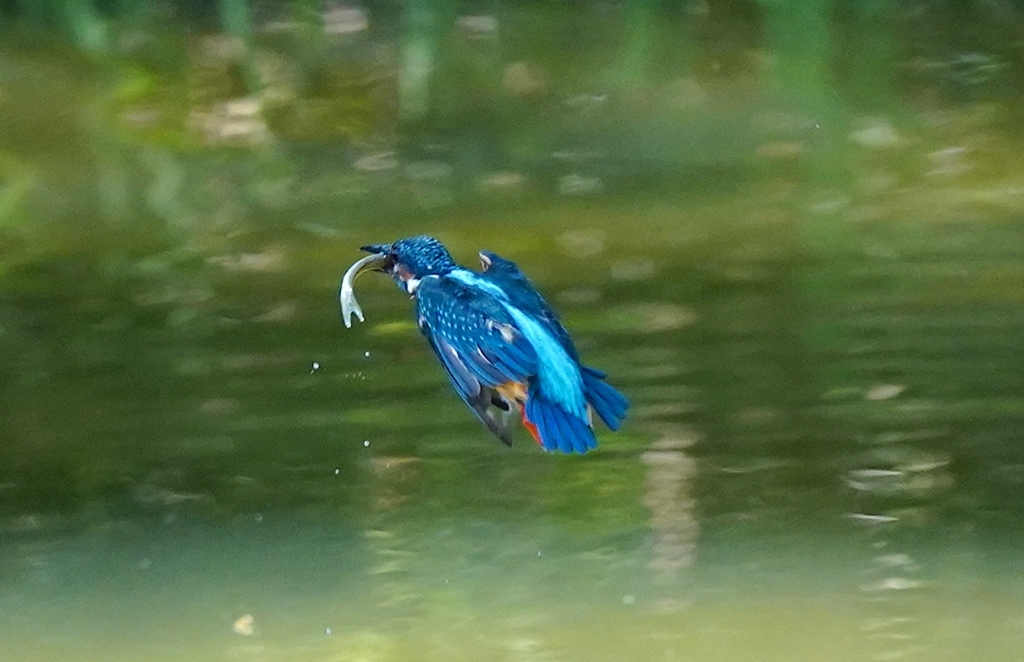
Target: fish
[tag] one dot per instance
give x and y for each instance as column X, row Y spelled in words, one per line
column 346, row 294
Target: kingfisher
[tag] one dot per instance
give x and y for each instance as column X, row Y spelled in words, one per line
column 502, row 346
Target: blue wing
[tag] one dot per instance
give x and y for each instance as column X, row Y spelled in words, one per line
column 477, row 329
column 523, row 295
column 605, row 399
column 478, row 343
column 481, row 399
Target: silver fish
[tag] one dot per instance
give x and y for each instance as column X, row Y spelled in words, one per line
column 347, row 296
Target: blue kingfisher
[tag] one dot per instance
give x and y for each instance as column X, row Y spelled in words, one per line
column 503, row 347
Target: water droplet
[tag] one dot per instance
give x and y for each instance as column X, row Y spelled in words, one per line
column 329, row 631
column 337, row 471
column 366, row 354
column 259, row 518
column 316, row 366
column 366, row 442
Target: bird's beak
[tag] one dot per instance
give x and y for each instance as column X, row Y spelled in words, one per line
column 378, row 261
column 376, row 248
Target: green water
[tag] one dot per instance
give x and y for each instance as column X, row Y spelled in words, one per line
column 805, row 474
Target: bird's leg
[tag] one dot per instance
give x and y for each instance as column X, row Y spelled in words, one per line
column 498, row 424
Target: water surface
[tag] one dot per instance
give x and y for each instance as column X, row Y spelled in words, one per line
column 821, row 461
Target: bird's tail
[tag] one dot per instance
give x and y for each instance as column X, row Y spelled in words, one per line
column 604, row 398
column 554, row 428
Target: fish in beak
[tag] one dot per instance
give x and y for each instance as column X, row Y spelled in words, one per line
column 379, row 259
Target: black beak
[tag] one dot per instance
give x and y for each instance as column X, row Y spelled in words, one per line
column 376, row 248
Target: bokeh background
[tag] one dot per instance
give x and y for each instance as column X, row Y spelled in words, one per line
column 792, row 231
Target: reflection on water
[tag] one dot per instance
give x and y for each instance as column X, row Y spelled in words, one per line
column 247, row 485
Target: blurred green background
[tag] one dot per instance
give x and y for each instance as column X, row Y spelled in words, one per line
column 790, row 230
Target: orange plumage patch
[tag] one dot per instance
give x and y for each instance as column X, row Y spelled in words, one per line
column 515, row 392
column 512, row 391
column 529, row 425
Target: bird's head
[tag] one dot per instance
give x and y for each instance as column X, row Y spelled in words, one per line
column 408, row 260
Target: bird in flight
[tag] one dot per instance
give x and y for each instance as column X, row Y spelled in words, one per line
column 503, row 347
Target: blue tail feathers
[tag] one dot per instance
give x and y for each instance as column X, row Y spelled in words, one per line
column 558, row 429
column 605, row 399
